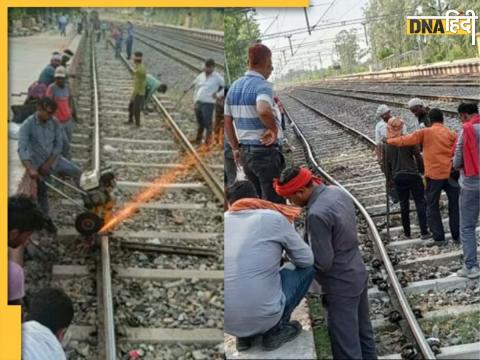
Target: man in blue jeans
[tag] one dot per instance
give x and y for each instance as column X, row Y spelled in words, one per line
column 260, row 295
column 40, row 144
column 466, row 159
column 331, row 230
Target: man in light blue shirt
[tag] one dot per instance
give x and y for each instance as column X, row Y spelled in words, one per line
column 250, row 124
column 40, row 144
column 260, row 295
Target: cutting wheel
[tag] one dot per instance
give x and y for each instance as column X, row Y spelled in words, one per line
column 88, row 223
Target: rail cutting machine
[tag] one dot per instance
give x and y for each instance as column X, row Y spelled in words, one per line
column 98, row 201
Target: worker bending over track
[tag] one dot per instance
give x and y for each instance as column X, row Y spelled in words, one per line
column 331, row 231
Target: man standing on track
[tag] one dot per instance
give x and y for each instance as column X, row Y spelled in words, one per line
column 60, row 93
column 207, row 84
column 129, row 41
column 418, row 108
column 466, row 159
column 403, row 168
column 138, row 95
column 254, row 138
column 331, row 231
column 437, row 142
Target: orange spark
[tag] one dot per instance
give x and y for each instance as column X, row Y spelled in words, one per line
column 156, row 188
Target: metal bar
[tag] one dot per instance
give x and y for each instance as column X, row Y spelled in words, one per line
column 404, row 305
column 58, row 191
column 70, row 186
column 96, row 131
column 109, row 324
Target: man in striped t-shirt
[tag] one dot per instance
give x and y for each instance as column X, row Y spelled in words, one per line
column 250, row 124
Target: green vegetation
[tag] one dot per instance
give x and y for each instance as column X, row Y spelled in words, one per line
column 454, row 330
column 240, row 32
column 392, row 47
column 320, row 332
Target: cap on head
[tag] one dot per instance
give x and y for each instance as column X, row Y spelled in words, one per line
column 382, row 110
column 415, row 102
column 60, row 72
column 56, row 56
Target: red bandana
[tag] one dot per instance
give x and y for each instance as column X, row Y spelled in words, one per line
column 301, row 180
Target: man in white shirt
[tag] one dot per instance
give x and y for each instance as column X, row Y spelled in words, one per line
column 49, row 316
column 207, row 84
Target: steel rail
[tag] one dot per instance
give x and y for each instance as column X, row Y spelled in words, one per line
column 109, row 323
column 378, row 101
column 166, row 53
column 212, row 181
column 96, row 122
column 402, row 299
column 449, row 98
column 186, row 52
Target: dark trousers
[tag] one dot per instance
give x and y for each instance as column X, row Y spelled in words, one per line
column 230, row 168
column 134, row 108
column 434, row 189
column 407, row 184
column 349, row 327
column 204, row 115
column 261, row 165
column 129, row 47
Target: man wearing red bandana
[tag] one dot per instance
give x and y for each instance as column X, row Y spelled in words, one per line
column 331, row 231
column 466, row 159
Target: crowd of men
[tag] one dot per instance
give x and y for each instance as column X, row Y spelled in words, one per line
column 269, row 267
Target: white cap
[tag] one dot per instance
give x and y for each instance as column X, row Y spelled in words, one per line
column 382, row 109
column 60, row 72
column 56, row 56
column 415, row 102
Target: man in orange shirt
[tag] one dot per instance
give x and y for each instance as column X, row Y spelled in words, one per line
column 437, row 142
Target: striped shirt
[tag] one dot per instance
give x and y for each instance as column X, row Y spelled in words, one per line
column 241, row 105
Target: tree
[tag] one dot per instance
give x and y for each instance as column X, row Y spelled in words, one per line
column 386, row 21
column 241, row 30
column 346, row 47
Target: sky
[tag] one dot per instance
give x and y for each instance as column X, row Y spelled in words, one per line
column 283, row 19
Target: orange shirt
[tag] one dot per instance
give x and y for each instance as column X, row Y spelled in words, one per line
column 437, row 142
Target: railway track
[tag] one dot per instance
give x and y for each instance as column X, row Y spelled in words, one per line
column 184, row 46
column 386, row 98
column 418, row 306
column 155, row 283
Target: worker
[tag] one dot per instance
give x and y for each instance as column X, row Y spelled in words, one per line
column 153, row 85
column 466, row 159
column 260, row 295
column 60, row 93
column 331, row 231
column 40, row 144
column 418, row 108
column 218, row 133
column 129, row 42
column 139, row 84
column 437, row 142
column 207, row 85
column 66, row 56
column 117, row 36
column 404, row 167
column 24, row 218
column 47, row 76
column 43, row 334
column 254, row 138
